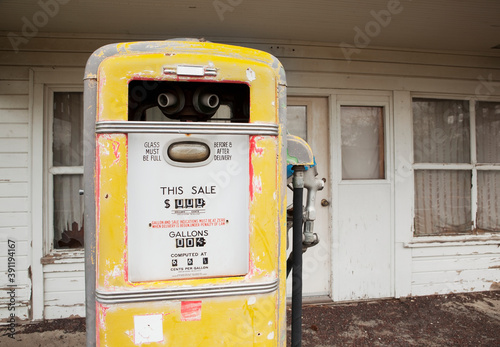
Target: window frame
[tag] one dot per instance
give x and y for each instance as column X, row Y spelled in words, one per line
column 382, row 152
column 473, row 166
column 52, row 171
column 382, row 101
column 43, row 261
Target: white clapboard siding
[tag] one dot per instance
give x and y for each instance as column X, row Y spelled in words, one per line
column 13, row 160
column 444, row 270
column 13, row 102
column 17, row 234
column 21, row 277
column 14, row 73
column 21, row 313
column 41, row 59
column 64, row 291
column 22, row 263
column 20, row 280
column 12, row 131
column 21, row 249
column 14, row 219
column 314, row 50
column 14, row 87
column 20, row 292
column 14, row 116
column 14, row 145
column 13, row 204
column 459, row 250
column 15, row 188
column 370, row 68
column 14, row 176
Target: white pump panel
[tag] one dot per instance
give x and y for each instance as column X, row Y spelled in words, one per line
column 187, row 219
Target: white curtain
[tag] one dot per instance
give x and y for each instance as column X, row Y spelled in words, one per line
column 488, row 204
column 488, row 152
column 68, row 211
column 488, row 132
column 441, row 131
column 442, row 202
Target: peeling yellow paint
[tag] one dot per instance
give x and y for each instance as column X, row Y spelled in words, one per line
column 235, row 320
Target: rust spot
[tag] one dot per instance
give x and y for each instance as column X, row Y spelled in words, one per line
column 495, row 286
column 106, row 196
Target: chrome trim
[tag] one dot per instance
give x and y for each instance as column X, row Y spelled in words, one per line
column 187, row 128
column 190, row 70
column 184, row 293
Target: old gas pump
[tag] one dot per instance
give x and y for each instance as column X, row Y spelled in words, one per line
column 185, row 179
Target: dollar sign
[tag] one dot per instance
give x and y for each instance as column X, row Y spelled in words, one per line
column 167, row 203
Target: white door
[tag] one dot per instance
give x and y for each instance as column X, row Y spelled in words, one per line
column 308, row 118
column 362, row 235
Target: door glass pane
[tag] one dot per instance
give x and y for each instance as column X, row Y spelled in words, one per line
column 488, row 132
column 488, row 203
column 67, row 129
column 442, row 202
column 296, row 118
column 441, row 131
column 362, row 135
column 68, row 211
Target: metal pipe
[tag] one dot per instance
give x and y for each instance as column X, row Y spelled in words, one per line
column 90, row 102
column 289, row 264
column 209, row 100
column 167, row 99
column 205, row 102
column 298, row 187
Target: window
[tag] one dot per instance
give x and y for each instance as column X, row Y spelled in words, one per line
column 66, row 170
column 362, row 135
column 456, row 147
column 296, row 118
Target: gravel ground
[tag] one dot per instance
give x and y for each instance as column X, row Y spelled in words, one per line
column 447, row 320
column 444, row 320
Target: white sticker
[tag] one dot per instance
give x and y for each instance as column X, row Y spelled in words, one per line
column 148, row 328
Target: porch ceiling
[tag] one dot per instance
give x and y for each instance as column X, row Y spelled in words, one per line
column 456, row 25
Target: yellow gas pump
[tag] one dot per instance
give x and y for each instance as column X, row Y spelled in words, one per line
column 185, row 176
